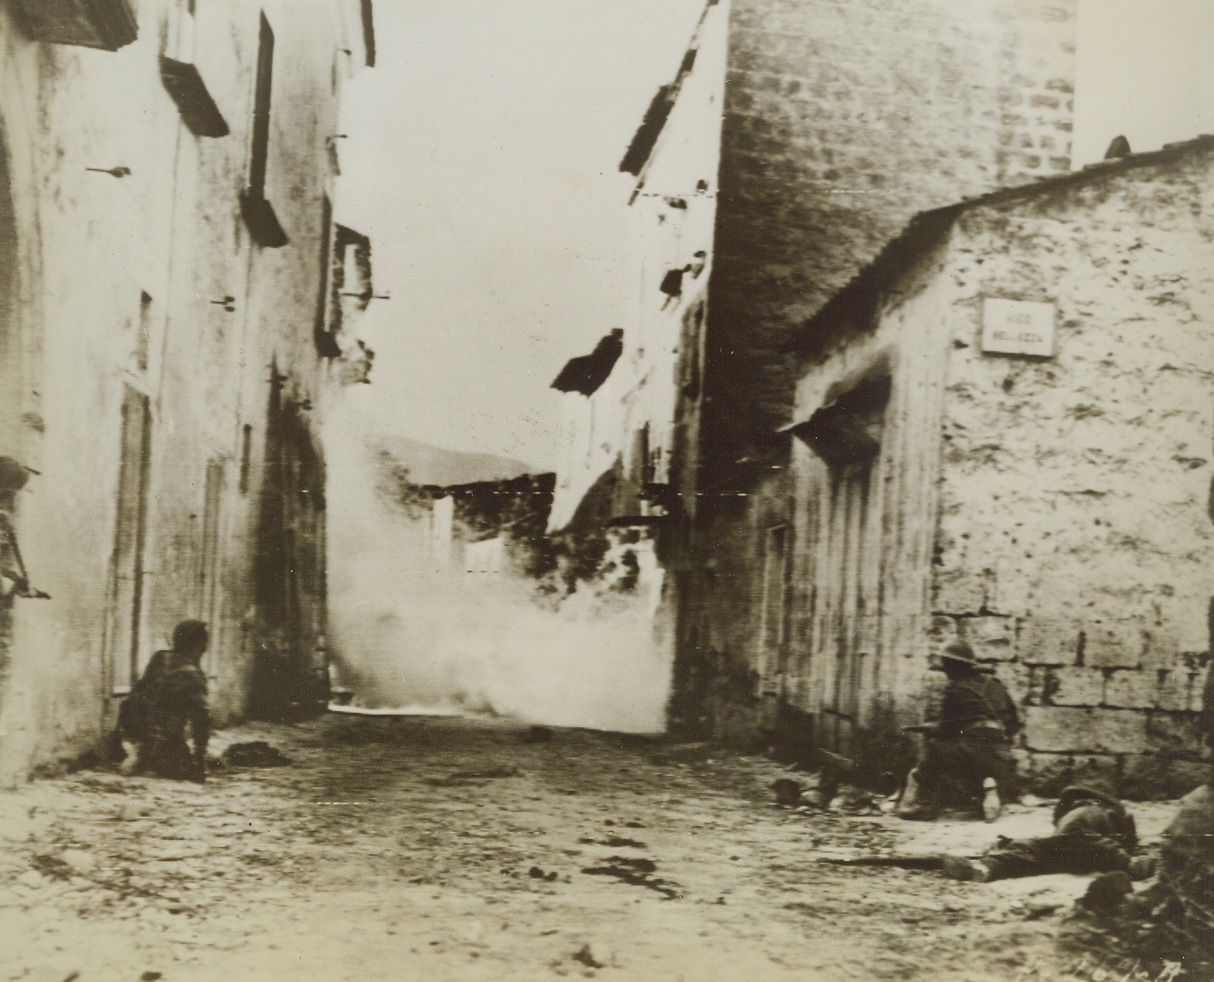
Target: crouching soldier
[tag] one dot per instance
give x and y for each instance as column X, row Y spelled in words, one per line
column 176, row 697
column 135, row 711
column 968, row 749
column 1093, row 833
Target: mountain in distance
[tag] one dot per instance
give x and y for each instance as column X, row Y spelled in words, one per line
column 428, row 464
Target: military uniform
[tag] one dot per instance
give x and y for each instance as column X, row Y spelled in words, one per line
column 134, row 712
column 970, row 741
column 1093, row 834
column 177, row 697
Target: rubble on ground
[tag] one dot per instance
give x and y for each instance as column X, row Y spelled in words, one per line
column 255, row 753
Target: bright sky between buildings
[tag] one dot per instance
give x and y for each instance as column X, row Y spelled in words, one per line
column 483, row 164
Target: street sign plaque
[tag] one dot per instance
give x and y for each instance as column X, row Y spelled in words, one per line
column 1018, row 327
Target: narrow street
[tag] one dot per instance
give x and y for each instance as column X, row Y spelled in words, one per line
column 458, row 849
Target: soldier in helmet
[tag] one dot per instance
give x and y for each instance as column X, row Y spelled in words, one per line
column 14, row 580
column 969, row 746
column 176, row 698
column 1093, row 833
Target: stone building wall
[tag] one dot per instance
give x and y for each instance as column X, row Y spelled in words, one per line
column 841, row 121
column 1052, row 511
column 720, row 690
column 143, row 345
column 1075, row 544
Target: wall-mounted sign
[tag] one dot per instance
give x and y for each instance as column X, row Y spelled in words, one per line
column 1018, row 327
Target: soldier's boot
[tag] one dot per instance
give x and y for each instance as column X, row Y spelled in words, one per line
column 909, row 805
column 992, row 807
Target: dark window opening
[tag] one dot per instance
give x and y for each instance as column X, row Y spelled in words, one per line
column 642, row 462
column 258, row 212
column 368, row 32
column 350, row 291
column 325, row 339
column 246, row 456
column 261, row 108
column 848, row 430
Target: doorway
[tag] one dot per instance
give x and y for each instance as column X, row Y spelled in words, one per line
column 130, row 535
column 209, row 601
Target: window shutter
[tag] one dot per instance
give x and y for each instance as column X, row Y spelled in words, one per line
column 198, row 110
column 105, row 24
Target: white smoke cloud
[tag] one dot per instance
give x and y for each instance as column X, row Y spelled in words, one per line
column 408, row 633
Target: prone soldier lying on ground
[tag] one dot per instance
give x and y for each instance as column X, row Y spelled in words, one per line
column 1093, row 833
column 171, row 695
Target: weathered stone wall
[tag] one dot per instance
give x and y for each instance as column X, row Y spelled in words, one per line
column 718, row 690
column 116, row 276
column 841, row 121
column 1075, row 545
column 1051, row 511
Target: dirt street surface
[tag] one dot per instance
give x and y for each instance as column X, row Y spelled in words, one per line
column 431, row 848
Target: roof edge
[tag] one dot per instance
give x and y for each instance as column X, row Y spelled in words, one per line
column 645, row 140
column 862, row 292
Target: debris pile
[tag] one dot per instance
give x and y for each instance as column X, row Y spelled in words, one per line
column 255, row 753
column 822, row 792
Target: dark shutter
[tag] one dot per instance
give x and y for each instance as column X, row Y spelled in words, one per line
column 105, row 24
column 261, row 110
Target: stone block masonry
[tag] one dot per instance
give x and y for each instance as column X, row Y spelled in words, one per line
column 1094, row 495
column 841, row 121
column 1103, row 731
column 1049, row 641
column 1049, row 508
column 1130, row 776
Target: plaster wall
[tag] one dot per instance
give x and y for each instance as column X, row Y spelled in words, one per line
column 116, row 278
column 655, row 383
